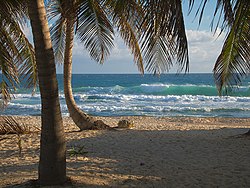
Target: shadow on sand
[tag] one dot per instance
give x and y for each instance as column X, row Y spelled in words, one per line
column 158, row 158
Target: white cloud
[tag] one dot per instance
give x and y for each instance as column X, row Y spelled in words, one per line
column 120, row 60
column 204, row 48
column 118, row 52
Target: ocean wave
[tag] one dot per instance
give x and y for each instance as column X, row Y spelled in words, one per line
column 106, row 97
column 26, row 106
column 112, row 105
column 163, row 89
column 159, row 98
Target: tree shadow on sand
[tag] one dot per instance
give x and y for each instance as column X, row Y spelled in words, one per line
column 156, row 158
column 140, row 158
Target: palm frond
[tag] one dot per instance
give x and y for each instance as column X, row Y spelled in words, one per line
column 28, row 67
column 58, row 29
column 233, row 63
column 58, row 37
column 226, row 7
column 8, row 68
column 25, row 58
column 16, row 51
column 13, row 9
column 223, row 16
column 127, row 15
column 164, row 37
column 9, row 125
column 94, row 30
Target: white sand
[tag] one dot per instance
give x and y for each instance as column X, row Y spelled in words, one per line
column 157, row 152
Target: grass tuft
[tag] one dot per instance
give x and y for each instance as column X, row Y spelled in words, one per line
column 77, row 150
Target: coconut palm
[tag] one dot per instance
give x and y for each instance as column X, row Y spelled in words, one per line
column 63, row 36
column 154, row 31
column 52, row 164
column 17, row 60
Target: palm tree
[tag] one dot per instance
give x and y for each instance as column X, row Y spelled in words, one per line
column 52, row 164
column 17, row 61
column 154, row 31
column 66, row 24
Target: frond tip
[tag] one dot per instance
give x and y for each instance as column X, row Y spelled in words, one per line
column 95, row 30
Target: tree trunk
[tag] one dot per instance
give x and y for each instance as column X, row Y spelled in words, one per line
column 81, row 119
column 52, row 164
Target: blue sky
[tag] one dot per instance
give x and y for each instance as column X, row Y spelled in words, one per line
column 204, row 47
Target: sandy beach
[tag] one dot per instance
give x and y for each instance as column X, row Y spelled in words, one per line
column 156, row 152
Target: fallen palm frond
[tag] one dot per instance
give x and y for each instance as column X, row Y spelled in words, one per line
column 9, row 125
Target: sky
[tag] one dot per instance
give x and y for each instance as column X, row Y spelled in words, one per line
column 204, row 48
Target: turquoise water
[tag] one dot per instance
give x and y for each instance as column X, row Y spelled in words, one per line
column 132, row 94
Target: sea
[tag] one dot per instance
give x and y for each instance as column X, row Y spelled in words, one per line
column 142, row 95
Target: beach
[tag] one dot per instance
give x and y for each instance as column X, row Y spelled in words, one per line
column 156, row 152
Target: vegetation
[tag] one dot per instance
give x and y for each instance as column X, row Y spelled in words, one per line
column 76, row 150
column 9, row 125
column 233, row 62
column 17, row 60
column 154, row 31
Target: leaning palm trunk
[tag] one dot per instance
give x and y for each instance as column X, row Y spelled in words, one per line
column 52, row 164
column 81, row 119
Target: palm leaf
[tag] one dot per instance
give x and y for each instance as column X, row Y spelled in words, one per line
column 233, row 63
column 9, row 125
column 58, row 29
column 223, row 16
column 127, row 15
column 58, row 37
column 94, row 30
column 16, row 52
column 25, row 60
column 8, row 68
column 163, row 37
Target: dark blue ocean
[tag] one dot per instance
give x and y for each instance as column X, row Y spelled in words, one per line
column 132, row 94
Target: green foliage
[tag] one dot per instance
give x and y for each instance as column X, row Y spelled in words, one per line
column 17, row 60
column 76, row 150
column 153, row 30
column 233, row 63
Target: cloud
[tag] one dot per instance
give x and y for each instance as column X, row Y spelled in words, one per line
column 120, row 60
column 204, row 48
column 118, row 52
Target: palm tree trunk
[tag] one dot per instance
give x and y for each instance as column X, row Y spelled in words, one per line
column 52, row 164
column 81, row 119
